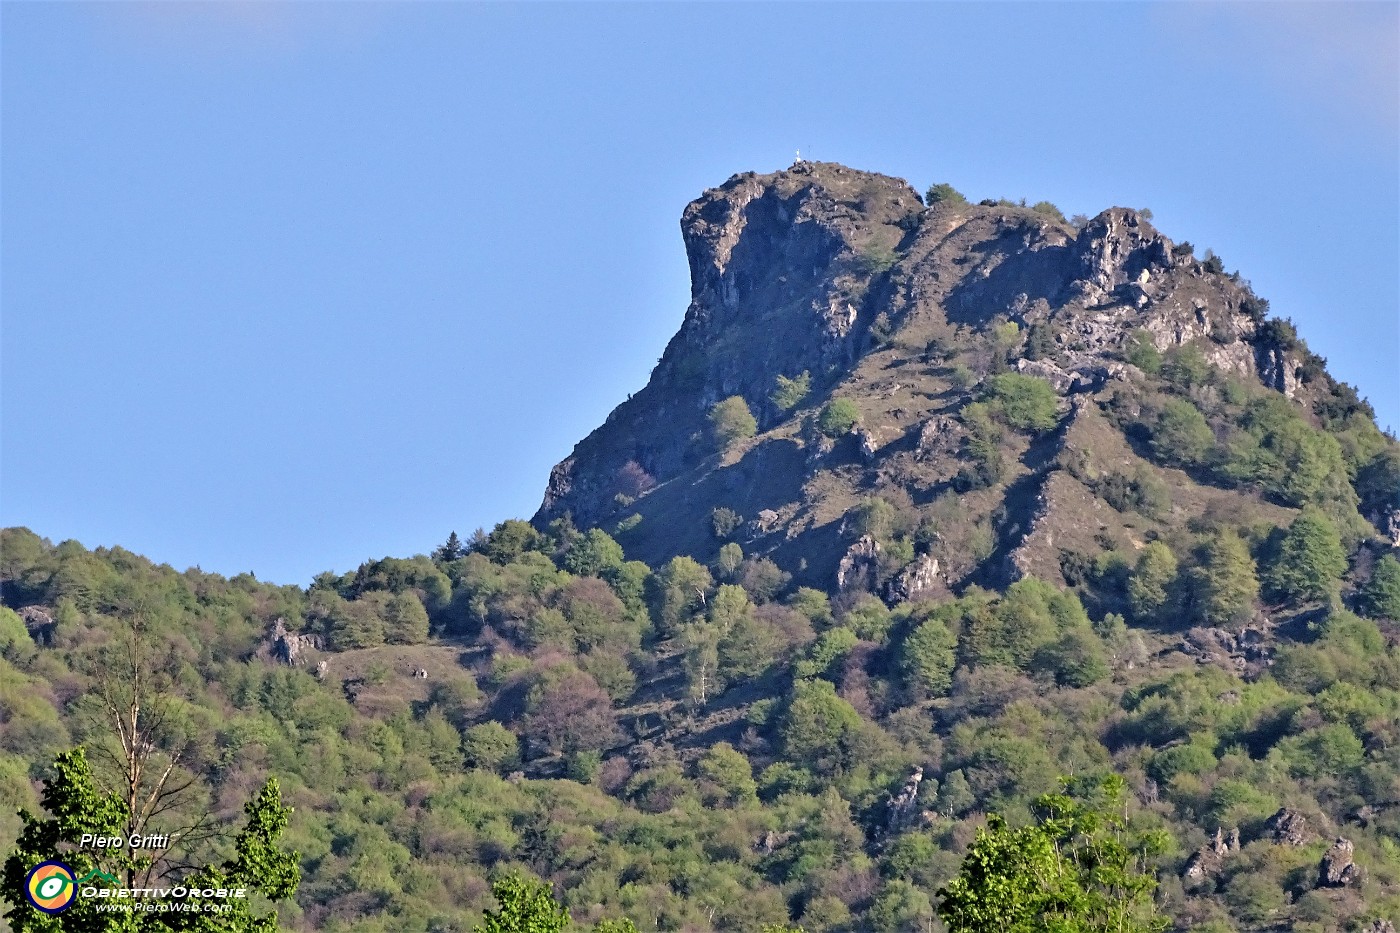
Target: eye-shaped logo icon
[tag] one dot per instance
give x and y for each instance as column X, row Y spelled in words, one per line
column 49, row 886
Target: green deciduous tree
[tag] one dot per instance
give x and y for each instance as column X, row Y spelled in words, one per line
column 1075, row 870
column 731, row 420
column 526, row 906
column 984, row 436
column 1140, row 350
column 593, row 554
column 730, row 773
column 1185, row 367
column 874, row 516
column 1151, row 581
column 491, row 747
column 944, row 193
column 1181, row 435
column 1077, row 658
column 928, row 658
column 724, row 522
column 819, row 727
column 405, row 620
column 837, row 417
column 1025, row 402
column 77, row 806
column 679, row 591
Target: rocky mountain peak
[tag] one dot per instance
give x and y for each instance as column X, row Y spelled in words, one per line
column 849, row 283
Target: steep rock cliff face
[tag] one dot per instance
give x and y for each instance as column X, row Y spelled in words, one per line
column 780, row 271
column 848, row 276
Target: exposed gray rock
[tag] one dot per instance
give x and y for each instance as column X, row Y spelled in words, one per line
column 1337, row 869
column 1277, row 370
column 39, row 623
column 940, row 436
column 771, row 841
column 919, row 579
column 290, row 647
column 859, row 565
column 869, row 447
column 1289, row 827
column 1114, row 249
column 1209, row 859
column 1044, row 369
column 1247, row 652
column 902, row 809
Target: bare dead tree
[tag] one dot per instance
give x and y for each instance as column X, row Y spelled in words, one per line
column 149, row 756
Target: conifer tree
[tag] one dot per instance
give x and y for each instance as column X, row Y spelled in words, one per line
column 1151, row 581
column 1380, row 598
column 449, row 550
column 1310, row 560
column 1227, row 584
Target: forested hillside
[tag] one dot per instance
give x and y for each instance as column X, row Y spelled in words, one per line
column 936, row 504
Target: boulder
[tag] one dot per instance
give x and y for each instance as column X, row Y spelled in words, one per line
column 1337, row 869
column 39, row 623
column 940, row 436
column 859, row 565
column 1288, row 827
column 1209, row 859
column 1044, row 369
column 919, row 579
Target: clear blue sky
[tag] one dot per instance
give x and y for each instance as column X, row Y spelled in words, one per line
column 286, row 287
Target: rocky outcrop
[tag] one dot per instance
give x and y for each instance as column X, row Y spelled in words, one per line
column 919, row 580
column 1277, row 370
column 940, row 436
column 869, row 446
column 39, row 623
column 1209, row 859
column 781, row 270
column 771, row 841
column 1288, row 827
column 1118, row 252
column 902, row 810
column 792, row 271
column 1338, row 870
column 1044, row 369
column 1248, row 651
column 859, row 566
column 290, row 647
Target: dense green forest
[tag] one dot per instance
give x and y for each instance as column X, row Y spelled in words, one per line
column 539, row 739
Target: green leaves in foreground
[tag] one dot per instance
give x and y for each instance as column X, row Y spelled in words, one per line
column 528, row 906
column 1074, row 871
column 77, row 805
